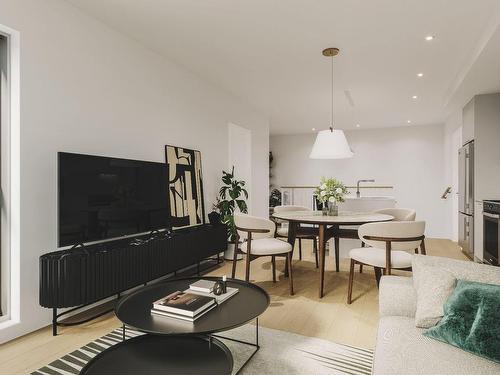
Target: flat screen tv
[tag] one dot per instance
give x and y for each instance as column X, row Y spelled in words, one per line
column 102, row 198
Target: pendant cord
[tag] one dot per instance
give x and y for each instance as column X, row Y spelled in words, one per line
column 331, row 112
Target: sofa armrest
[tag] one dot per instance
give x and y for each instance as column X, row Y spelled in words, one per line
column 397, row 297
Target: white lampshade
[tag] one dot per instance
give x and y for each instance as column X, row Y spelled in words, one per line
column 331, row 144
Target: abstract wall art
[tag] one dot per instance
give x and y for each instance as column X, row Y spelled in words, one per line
column 185, row 186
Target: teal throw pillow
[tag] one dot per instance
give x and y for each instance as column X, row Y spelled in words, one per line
column 471, row 320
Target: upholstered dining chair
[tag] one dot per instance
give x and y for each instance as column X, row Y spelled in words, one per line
column 282, row 231
column 400, row 214
column 391, row 244
column 257, row 236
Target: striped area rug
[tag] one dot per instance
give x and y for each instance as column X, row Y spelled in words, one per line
column 280, row 353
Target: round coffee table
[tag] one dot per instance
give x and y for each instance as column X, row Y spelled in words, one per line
column 173, row 346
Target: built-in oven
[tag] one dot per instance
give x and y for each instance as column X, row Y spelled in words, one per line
column 491, row 231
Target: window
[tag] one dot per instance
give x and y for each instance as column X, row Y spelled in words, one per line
column 4, row 84
column 9, row 174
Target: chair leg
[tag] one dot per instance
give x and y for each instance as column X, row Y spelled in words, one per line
column 235, row 259
column 290, row 272
column 300, row 248
column 360, row 265
column 422, row 248
column 315, row 248
column 286, row 263
column 416, row 250
column 351, row 279
column 247, row 273
column 378, row 275
column 273, row 263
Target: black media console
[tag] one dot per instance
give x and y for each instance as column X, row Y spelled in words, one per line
column 83, row 275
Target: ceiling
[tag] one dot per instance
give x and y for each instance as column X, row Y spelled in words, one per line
column 269, row 53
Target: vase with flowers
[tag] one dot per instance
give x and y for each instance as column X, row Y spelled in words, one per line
column 330, row 192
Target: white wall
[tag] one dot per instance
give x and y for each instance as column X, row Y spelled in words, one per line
column 409, row 158
column 86, row 88
column 452, row 142
column 240, row 155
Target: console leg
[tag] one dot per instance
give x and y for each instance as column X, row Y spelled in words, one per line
column 123, row 332
column 54, row 322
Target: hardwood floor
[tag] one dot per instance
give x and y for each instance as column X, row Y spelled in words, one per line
column 304, row 313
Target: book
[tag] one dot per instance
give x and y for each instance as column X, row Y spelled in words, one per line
column 184, row 303
column 205, row 286
column 182, row 317
column 219, row 298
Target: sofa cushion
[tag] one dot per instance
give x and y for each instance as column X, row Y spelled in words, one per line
column 435, row 286
column 438, row 273
column 472, row 314
column 397, row 296
column 403, row 349
column 465, row 270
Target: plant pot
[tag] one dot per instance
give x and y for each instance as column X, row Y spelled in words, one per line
column 229, row 253
column 214, row 218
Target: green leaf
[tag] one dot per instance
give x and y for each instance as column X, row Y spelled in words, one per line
column 242, row 205
column 245, row 192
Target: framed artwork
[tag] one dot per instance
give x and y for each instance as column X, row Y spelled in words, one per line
column 185, row 186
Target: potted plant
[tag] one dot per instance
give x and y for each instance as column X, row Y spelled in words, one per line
column 330, row 192
column 232, row 196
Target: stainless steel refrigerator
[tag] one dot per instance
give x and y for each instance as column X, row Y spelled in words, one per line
column 466, row 199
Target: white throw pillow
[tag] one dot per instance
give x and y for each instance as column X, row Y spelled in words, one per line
column 433, row 286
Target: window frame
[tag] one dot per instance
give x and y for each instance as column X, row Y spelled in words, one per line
column 10, row 183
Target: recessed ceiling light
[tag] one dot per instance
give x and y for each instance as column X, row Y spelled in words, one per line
column 408, row 121
column 357, row 125
column 313, row 129
column 420, row 74
column 429, row 37
column 414, row 97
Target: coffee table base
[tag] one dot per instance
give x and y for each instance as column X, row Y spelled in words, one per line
column 255, row 345
column 153, row 355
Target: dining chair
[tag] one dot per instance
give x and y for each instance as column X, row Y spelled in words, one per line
column 258, row 240
column 390, row 245
column 282, row 231
column 399, row 214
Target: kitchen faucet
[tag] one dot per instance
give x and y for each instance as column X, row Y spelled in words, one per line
column 358, row 194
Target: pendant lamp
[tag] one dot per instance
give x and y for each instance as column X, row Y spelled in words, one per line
column 332, row 143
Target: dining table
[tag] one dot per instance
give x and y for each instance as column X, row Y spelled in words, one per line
column 327, row 227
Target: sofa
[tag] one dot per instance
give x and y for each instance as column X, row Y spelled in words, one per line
column 402, row 349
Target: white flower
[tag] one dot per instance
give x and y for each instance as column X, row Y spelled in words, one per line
column 323, row 193
column 323, row 187
column 331, row 199
column 338, row 190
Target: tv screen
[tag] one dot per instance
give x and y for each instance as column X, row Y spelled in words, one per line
column 102, row 198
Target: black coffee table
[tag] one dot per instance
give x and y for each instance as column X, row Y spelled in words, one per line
column 173, row 346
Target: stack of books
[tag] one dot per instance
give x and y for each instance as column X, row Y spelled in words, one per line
column 192, row 303
column 184, row 305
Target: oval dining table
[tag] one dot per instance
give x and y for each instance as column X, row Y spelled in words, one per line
column 326, row 227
